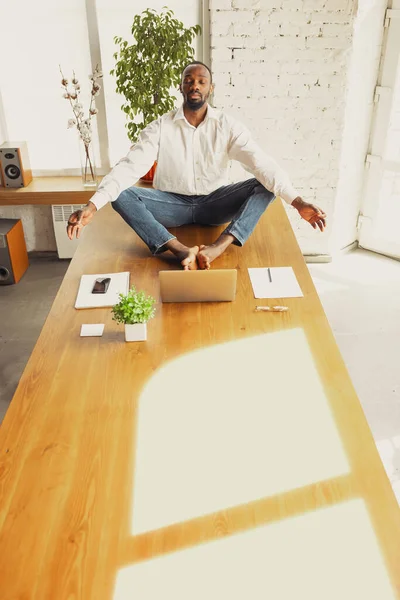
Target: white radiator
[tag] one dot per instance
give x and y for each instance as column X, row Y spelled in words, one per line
column 61, row 213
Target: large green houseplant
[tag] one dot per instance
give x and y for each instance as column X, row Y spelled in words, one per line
column 148, row 68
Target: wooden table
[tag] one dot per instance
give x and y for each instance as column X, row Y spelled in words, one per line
column 226, row 457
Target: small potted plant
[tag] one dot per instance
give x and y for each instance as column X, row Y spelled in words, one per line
column 134, row 310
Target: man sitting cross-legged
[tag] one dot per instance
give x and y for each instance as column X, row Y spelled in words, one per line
column 193, row 146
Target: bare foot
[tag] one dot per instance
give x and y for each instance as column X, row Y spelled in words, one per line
column 186, row 255
column 207, row 254
column 188, row 258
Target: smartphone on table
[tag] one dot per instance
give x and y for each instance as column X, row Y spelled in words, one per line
column 101, row 285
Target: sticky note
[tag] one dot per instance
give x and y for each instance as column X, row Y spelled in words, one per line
column 92, row 329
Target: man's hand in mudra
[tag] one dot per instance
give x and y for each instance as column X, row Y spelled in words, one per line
column 311, row 213
column 79, row 219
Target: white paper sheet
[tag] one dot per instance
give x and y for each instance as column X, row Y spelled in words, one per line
column 119, row 284
column 284, row 283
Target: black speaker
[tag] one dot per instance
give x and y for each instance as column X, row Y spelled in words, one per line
column 14, row 164
column 13, row 254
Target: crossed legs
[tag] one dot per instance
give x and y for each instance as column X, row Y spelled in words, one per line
column 150, row 212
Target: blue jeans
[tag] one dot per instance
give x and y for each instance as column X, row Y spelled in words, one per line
column 149, row 212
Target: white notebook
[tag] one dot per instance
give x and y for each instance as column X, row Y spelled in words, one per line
column 282, row 283
column 119, row 284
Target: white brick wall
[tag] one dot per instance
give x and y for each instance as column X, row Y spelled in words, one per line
column 37, row 222
column 280, row 66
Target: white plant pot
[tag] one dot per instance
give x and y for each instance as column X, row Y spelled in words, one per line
column 136, row 332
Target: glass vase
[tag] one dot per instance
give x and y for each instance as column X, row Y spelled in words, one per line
column 88, row 166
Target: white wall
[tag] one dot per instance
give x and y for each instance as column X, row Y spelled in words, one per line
column 31, row 106
column 36, row 220
column 41, row 114
column 37, row 223
column 281, row 67
column 3, row 127
column 362, row 77
column 43, row 35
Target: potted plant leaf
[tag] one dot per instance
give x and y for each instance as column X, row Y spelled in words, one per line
column 134, row 309
column 150, row 66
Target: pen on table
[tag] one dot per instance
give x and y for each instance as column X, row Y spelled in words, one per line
column 272, row 308
column 269, row 275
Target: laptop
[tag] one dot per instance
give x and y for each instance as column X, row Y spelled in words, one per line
column 214, row 285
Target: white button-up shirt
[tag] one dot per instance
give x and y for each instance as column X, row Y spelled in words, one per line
column 193, row 160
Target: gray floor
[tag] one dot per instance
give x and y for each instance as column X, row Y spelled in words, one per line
column 23, row 311
column 360, row 292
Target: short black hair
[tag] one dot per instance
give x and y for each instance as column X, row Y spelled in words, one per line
column 198, row 62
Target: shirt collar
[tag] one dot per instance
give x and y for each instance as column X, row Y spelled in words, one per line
column 211, row 113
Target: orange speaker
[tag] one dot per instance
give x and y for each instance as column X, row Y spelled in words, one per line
column 13, row 254
column 14, row 164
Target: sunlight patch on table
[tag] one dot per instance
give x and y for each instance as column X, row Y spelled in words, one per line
column 330, row 554
column 231, row 424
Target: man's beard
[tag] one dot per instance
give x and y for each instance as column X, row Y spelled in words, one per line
column 196, row 105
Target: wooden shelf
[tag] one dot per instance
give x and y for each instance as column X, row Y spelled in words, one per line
column 48, row 190
column 51, row 190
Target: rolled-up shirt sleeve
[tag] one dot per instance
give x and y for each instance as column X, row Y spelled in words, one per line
column 129, row 169
column 245, row 150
